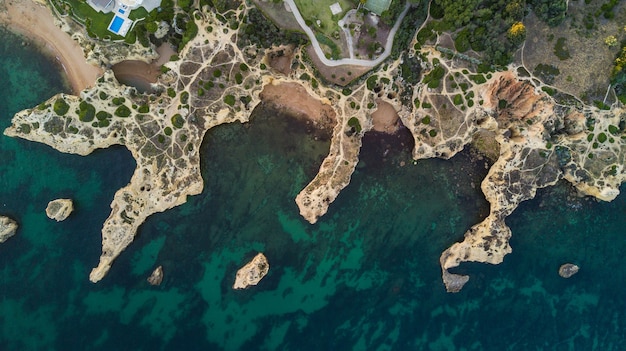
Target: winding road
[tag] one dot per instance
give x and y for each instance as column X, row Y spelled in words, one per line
column 348, row 61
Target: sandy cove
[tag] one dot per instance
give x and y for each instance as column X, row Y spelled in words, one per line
column 294, row 99
column 36, row 21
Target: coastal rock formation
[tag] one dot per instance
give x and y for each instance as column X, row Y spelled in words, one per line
column 8, row 227
column 59, row 209
column 156, row 277
column 567, row 270
column 442, row 100
column 252, row 272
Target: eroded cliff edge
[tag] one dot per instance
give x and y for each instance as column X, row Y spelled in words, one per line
column 541, row 138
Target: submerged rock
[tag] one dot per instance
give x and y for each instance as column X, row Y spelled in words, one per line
column 59, row 209
column 567, row 270
column 7, row 228
column 156, row 277
column 252, row 272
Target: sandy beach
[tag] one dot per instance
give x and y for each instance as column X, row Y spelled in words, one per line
column 294, row 99
column 36, row 21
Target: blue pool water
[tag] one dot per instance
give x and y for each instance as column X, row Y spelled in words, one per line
column 116, row 24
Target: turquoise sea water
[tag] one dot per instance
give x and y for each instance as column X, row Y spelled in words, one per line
column 365, row 277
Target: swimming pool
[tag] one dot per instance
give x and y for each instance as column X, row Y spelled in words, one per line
column 116, row 24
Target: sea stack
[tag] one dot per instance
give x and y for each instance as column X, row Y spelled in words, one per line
column 7, row 228
column 59, row 209
column 156, row 277
column 567, row 270
column 252, row 272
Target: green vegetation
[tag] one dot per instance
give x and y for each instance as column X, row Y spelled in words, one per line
column 458, row 99
column 426, row 120
column 601, row 105
column 335, row 53
column 171, row 92
column 319, row 10
column 433, row 78
column 618, row 75
column 229, row 100
column 353, row 122
column 548, row 90
column 102, row 115
column 371, row 82
column 122, row 111
column 559, row 49
column 607, row 8
column 546, row 73
column 86, row 111
column 25, row 128
column 144, row 109
column 478, row 78
column 178, row 121
column 184, row 97
column 256, row 29
column 492, row 27
column 602, row 137
column 60, row 107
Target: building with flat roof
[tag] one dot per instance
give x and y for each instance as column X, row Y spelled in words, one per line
column 121, row 24
column 377, row 6
column 104, row 6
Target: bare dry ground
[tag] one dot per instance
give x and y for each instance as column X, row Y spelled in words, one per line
column 586, row 61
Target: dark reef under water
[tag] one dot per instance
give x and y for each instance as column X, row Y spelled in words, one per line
column 365, row 277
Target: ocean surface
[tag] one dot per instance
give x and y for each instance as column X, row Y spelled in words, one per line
column 365, row 277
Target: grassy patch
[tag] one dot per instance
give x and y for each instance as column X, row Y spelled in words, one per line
column 314, row 10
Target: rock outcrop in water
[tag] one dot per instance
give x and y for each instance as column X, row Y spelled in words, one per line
column 567, row 270
column 8, row 227
column 252, row 272
column 59, row 209
column 156, row 277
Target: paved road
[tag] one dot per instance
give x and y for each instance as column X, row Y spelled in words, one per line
column 350, row 61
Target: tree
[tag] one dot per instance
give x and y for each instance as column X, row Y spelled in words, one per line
column 517, row 33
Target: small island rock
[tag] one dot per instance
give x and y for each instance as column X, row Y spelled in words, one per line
column 567, row 270
column 156, row 277
column 7, row 228
column 252, row 272
column 59, row 209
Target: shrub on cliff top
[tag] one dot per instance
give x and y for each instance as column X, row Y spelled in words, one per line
column 122, row 111
column 61, row 107
column 87, row 112
column 178, row 121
